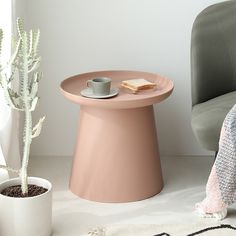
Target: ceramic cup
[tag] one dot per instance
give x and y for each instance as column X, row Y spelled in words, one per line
column 100, row 85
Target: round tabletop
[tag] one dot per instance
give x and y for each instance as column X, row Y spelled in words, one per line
column 72, row 87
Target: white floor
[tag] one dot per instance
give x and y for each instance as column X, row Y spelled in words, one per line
column 185, row 180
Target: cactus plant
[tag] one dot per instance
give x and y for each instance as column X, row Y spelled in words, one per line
column 23, row 66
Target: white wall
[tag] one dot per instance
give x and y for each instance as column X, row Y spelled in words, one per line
column 19, row 9
column 79, row 36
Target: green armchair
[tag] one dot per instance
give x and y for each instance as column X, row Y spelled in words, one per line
column 213, row 71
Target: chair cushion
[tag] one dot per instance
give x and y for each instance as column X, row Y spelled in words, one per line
column 208, row 117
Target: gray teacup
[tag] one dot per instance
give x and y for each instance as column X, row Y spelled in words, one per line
column 100, row 85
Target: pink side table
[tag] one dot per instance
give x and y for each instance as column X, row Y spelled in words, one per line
column 116, row 157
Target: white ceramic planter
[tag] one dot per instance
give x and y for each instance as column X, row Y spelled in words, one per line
column 30, row 216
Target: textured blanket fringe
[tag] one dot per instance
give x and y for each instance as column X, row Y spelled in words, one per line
column 97, row 232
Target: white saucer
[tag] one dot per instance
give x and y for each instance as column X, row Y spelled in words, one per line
column 88, row 92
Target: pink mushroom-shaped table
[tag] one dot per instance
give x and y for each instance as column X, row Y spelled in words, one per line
column 116, row 158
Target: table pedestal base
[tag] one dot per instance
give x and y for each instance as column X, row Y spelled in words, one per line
column 116, row 157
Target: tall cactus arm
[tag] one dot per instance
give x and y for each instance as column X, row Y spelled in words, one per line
column 30, row 43
column 34, row 61
column 28, row 116
column 36, row 36
column 33, row 42
column 23, row 68
column 37, row 128
column 20, row 27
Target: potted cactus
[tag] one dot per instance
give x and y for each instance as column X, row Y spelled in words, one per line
column 25, row 202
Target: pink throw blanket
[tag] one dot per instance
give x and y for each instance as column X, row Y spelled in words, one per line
column 221, row 185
